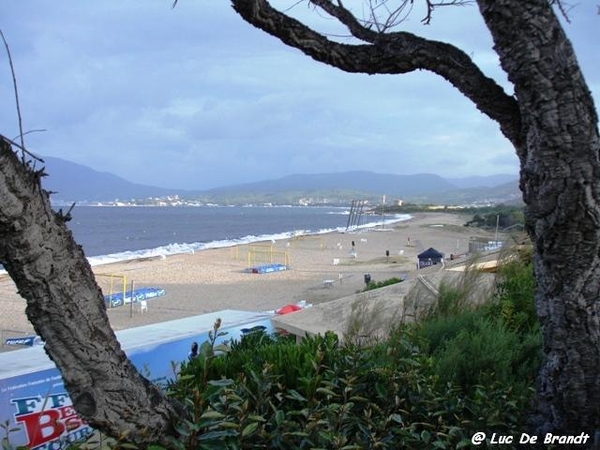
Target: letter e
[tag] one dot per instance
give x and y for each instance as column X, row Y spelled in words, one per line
column 527, row 439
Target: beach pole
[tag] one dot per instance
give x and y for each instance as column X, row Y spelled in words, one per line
column 496, row 236
column 130, row 301
column 110, row 292
column 350, row 215
column 383, row 212
column 361, row 207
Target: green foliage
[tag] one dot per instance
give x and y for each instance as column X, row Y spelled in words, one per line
column 198, row 392
column 469, row 349
column 480, row 354
column 451, row 300
column 502, row 215
column 428, row 385
column 497, row 340
column 515, row 290
column 379, row 284
column 457, row 294
column 436, row 331
column 388, row 395
column 7, row 430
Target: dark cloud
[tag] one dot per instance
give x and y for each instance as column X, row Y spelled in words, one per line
column 193, row 97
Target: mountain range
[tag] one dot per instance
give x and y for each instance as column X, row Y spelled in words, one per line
column 72, row 182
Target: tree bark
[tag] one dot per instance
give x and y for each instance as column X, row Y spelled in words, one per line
column 67, row 309
column 560, row 173
column 553, row 126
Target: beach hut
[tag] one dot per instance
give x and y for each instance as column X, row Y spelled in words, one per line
column 429, row 257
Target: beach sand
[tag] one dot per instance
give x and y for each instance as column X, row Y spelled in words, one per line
column 321, row 268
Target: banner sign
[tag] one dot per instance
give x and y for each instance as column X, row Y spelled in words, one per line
column 37, row 407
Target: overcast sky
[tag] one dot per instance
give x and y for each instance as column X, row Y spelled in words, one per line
column 194, row 97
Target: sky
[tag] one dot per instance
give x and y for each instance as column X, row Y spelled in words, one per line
column 193, row 97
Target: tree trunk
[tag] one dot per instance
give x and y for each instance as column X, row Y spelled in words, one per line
column 553, row 125
column 560, row 175
column 67, row 309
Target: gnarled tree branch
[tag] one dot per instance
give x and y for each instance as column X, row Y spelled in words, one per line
column 392, row 53
column 66, row 308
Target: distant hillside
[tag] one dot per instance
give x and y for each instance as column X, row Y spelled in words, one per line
column 74, row 182
column 482, row 181
column 341, row 188
column 358, row 181
column 507, row 193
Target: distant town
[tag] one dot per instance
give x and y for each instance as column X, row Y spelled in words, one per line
column 396, row 205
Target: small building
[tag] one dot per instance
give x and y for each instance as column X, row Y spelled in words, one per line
column 429, row 257
column 483, row 245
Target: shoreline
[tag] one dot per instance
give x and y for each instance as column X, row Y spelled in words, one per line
column 321, row 268
column 185, row 248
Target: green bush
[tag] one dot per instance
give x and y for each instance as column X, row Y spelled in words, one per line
column 379, row 284
column 429, row 385
column 437, row 331
column 385, row 395
column 479, row 354
column 470, row 349
column 513, row 301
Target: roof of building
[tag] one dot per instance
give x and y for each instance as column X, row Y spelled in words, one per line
column 430, row 253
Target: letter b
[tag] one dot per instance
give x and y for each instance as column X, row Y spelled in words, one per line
column 42, row 427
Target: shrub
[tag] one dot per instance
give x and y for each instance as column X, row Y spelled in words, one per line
column 379, row 284
column 462, row 369
column 513, row 301
column 478, row 354
column 385, row 395
column 437, row 331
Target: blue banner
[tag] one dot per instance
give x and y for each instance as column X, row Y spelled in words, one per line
column 37, row 407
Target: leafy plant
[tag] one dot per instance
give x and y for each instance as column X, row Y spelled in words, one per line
column 6, row 445
column 513, row 301
column 387, row 394
column 198, row 392
column 379, row 284
column 427, row 385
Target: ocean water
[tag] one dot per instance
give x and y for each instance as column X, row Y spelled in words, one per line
column 118, row 233
column 110, row 234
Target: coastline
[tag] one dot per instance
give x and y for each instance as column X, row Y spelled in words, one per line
column 321, row 268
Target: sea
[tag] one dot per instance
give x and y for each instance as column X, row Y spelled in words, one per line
column 119, row 233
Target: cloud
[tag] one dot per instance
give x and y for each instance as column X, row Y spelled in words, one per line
column 193, row 97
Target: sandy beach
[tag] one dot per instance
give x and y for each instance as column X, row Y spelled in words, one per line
column 321, row 268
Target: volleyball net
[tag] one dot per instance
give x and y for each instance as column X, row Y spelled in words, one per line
column 258, row 254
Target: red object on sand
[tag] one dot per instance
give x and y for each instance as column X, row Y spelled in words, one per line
column 288, row 309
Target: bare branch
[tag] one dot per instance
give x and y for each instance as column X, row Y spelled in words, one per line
column 41, row 130
column 347, row 18
column 12, row 70
column 563, row 7
column 289, row 8
column 393, row 16
column 23, row 149
column 432, row 5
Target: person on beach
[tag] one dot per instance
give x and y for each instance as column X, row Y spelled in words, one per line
column 194, row 351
